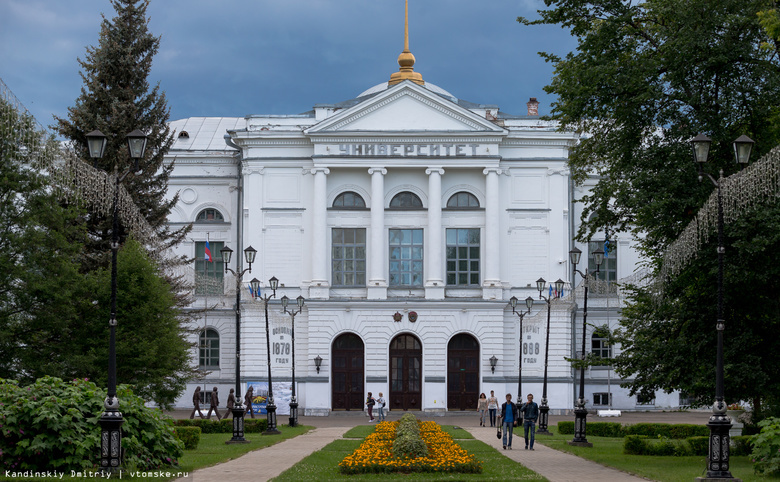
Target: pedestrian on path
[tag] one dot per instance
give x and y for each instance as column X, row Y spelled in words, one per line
column 530, row 412
column 196, row 403
column 492, row 408
column 250, row 394
column 509, row 416
column 231, row 402
column 370, row 402
column 380, row 405
column 214, row 405
column 482, row 408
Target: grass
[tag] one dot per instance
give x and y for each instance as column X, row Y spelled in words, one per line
column 609, row 451
column 323, row 465
column 211, row 450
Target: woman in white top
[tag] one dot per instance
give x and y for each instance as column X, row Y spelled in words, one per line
column 492, row 404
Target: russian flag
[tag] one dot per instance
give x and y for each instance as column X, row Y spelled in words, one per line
column 207, row 256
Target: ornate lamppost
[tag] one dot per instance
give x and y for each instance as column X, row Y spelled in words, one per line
column 580, row 413
column 293, row 401
column 719, row 422
column 529, row 303
column 111, row 420
column 544, row 409
column 238, row 408
column 270, row 407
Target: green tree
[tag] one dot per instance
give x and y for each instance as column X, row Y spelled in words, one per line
column 39, row 246
column 645, row 79
column 116, row 99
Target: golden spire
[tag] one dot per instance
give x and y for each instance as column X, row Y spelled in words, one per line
column 406, row 60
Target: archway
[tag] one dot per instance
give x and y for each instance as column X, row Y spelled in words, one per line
column 406, row 373
column 347, row 372
column 462, row 372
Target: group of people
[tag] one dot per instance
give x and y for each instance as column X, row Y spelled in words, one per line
column 380, row 405
column 214, row 403
column 511, row 415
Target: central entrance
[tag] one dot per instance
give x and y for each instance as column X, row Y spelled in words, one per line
column 462, row 372
column 405, row 373
column 347, row 371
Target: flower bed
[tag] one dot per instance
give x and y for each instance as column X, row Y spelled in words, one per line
column 375, row 454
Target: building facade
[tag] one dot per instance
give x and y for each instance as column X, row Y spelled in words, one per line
column 407, row 219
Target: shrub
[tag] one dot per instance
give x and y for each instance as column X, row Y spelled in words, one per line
column 635, row 445
column 566, row 427
column 190, row 436
column 766, row 447
column 53, row 424
column 604, row 429
column 409, row 446
column 741, row 445
column 251, row 425
column 676, row 431
column 699, row 445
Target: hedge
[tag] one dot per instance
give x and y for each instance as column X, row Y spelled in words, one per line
column 614, row 429
column 189, row 435
column 251, row 425
column 698, row 446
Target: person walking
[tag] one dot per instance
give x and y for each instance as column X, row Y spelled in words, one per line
column 492, row 402
column 509, row 416
column 530, row 412
column 380, row 404
column 248, row 397
column 231, row 402
column 370, row 402
column 214, row 405
column 196, row 403
column 482, row 408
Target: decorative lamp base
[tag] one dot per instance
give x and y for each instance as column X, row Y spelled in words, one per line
column 580, row 427
column 271, row 410
column 718, row 458
column 544, row 411
column 238, row 426
column 111, row 441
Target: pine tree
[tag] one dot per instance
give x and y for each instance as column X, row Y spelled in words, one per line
column 116, row 99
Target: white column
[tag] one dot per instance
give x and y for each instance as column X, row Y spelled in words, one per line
column 319, row 256
column 491, row 281
column 377, row 284
column 434, row 281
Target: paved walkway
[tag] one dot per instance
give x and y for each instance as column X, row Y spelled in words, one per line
column 554, row 465
column 264, row 464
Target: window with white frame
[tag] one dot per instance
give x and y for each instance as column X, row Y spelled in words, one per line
column 348, row 257
column 406, row 257
column 210, row 215
column 600, row 347
column 209, row 268
column 602, row 398
column 463, row 257
column 349, row 200
column 608, row 269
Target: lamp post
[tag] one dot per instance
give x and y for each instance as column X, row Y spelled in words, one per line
column 317, row 362
column 493, row 362
column 270, row 407
column 544, row 409
column 293, row 400
column 580, row 413
column 719, row 422
column 111, row 420
column 529, row 303
column 238, row 408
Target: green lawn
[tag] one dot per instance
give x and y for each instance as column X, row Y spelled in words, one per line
column 609, row 451
column 211, row 450
column 323, row 465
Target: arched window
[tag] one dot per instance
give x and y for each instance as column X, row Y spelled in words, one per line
column 600, row 347
column 406, row 200
column 210, row 215
column 463, row 200
column 209, row 349
column 349, row 200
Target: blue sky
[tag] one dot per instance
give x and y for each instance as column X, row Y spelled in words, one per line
column 240, row 57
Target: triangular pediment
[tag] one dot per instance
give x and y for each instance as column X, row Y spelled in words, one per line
column 406, row 107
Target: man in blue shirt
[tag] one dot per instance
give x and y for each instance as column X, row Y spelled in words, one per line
column 530, row 411
column 509, row 417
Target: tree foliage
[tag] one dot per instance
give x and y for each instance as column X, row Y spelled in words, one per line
column 645, row 79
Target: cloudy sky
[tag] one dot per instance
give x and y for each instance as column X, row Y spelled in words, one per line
column 240, row 57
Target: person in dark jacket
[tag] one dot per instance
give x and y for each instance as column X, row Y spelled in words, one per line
column 196, row 403
column 530, row 411
column 214, row 405
column 509, row 417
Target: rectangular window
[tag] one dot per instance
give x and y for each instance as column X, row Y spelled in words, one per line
column 463, row 257
column 642, row 400
column 406, row 257
column 601, row 398
column 209, row 274
column 348, row 256
column 608, row 269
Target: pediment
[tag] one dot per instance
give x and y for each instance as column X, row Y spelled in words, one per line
column 405, row 108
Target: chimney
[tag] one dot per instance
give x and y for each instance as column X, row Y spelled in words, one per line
column 533, row 106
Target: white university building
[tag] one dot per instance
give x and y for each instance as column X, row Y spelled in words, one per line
column 407, row 219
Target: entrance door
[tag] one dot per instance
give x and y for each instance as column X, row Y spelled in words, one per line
column 462, row 372
column 405, row 373
column 347, row 373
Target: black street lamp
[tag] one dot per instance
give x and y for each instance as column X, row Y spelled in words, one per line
column 580, row 413
column 111, row 420
column 529, row 303
column 270, row 407
column 318, row 362
column 719, row 422
column 238, row 408
column 493, row 362
column 293, row 400
column 544, row 409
